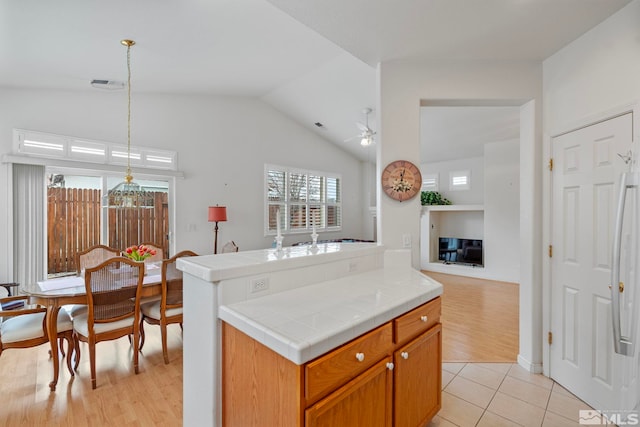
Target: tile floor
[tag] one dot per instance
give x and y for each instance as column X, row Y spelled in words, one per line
column 503, row 394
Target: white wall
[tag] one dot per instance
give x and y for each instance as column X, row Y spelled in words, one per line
column 403, row 85
column 475, row 195
column 502, row 210
column 598, row 72
column 595, row 76
column 222, row 144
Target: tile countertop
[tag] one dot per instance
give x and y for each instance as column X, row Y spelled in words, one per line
column 214, row 268
column 304, row 323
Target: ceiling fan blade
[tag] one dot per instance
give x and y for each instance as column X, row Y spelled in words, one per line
column 353, row 137
column 362, row 127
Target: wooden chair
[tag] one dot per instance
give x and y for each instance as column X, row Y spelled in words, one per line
column 113, row 296
column 25, row 327
column 94, row 256
column 89, row 258
column 159, row 256
column 169, row 309
column 230, row 246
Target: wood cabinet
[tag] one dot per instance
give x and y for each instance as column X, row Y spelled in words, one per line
column 418, row 379
column 388, row 376
column 364, row 401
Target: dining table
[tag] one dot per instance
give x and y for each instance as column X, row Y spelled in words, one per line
column 57, row 292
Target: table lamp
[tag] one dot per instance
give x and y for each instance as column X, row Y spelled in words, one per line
column 217, row 214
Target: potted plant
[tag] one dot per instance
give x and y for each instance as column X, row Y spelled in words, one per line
column 433, row 198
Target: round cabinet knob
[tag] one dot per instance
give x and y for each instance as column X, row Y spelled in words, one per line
column 404, row 355
column 390, row 366
column 360, row 357
column 423, row 318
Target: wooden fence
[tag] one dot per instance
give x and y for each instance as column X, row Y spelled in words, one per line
column 74, row 224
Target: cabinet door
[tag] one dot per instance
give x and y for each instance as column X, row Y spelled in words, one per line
column 418, row 379
column 364, row 401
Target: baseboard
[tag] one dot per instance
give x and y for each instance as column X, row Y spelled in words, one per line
column 535, row 368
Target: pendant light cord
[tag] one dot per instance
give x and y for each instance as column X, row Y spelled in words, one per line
column 128, row 43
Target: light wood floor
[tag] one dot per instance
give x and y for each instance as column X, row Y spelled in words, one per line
column 151, row 398
column 480, row 319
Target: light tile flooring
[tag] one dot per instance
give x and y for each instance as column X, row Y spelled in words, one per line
column 503, row 394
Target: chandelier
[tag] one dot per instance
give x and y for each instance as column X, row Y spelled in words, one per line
column 129, row 194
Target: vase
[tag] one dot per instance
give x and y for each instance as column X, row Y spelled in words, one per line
column 144, row 265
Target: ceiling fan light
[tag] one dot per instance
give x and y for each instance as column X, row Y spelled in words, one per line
column 366, row 141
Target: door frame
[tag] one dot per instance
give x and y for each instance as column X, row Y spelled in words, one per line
column 547, row 205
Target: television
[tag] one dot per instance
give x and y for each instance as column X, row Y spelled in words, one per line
column 454, row 250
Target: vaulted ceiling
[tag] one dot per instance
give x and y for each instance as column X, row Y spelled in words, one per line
column 313, row 60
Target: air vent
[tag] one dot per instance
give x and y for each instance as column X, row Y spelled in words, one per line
column 320, row 125
column 107, row 84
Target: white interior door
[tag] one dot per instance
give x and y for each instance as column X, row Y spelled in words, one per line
column 585, row 187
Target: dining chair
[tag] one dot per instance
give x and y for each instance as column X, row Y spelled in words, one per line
column 113, row 300
column 230, row 246
column 169, row 309
column 25, row 327
column 91, row 257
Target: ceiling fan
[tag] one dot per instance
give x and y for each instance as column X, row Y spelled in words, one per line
column 366, row 133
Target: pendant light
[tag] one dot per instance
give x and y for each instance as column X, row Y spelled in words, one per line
column 127, row 199
column 129, row 194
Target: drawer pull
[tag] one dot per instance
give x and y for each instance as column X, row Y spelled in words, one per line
column 423, row 318
column 390, row 366
column 360, row 357
column 404, row 355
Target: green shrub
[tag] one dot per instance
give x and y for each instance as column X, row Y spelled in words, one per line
column 433, row 198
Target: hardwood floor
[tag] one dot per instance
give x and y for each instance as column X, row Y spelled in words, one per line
column 480, row 319
column 151, row 398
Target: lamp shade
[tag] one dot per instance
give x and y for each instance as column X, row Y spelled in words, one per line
column 217, row 213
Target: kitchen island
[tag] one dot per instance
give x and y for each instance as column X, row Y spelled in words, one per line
column 299, row 306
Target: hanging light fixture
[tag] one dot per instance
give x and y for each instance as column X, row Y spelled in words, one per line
column 126, row 199
column 129, row 194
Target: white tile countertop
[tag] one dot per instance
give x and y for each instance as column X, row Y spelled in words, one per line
column 214, row 268
column 304, row 323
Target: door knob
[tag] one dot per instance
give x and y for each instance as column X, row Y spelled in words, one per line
column 360, row 357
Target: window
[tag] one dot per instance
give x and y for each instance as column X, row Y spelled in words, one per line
column 430, row 182
column 460, row 180
column 305, row 199
column 48, row 145
column 78, row 219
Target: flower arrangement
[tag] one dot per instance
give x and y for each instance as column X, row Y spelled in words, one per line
column 401, row 186
column 139, row 253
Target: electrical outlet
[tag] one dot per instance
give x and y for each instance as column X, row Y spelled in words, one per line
column 406, row 240
column 260, row 284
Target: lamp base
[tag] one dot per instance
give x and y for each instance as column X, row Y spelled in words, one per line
column 215, row 241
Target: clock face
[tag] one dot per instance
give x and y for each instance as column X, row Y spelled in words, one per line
column 401, row 180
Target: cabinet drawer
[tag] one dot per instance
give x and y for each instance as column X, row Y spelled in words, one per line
column 417, row 320
column 337, row 367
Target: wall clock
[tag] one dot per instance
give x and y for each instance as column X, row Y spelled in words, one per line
column 401, row 180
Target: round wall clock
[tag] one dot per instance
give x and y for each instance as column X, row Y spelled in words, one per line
column 401, row 180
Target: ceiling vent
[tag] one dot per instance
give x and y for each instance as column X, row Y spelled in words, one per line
column 107, row 84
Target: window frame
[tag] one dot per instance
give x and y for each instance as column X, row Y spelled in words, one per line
column 308, row 205
column 75, row 149
column 430, row 182
column 456, row 175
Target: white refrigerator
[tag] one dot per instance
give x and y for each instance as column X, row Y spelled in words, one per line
column 625, row 291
